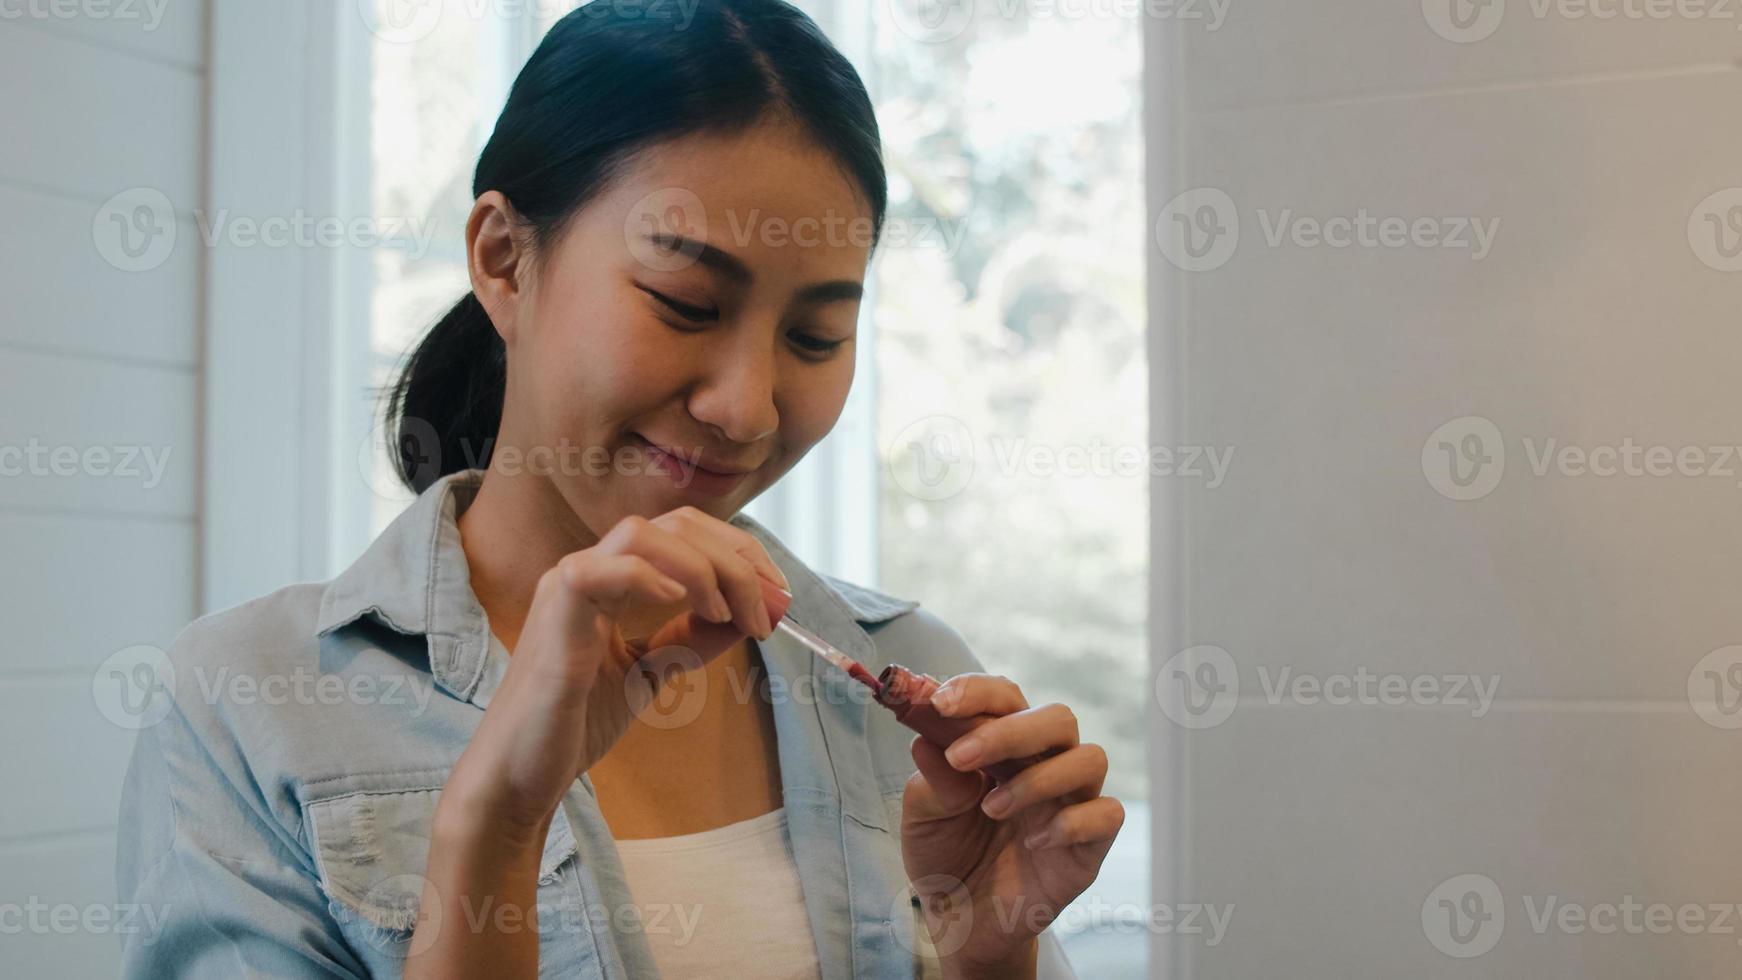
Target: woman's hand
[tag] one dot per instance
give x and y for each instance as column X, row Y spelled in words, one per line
column 574, row 683
column 993, row 869
column 571, row 688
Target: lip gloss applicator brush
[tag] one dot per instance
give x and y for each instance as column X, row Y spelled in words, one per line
column 903, row 691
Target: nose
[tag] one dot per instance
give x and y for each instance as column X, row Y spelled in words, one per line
column 736, row 398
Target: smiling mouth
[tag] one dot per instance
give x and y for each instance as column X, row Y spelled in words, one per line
column 691, row 461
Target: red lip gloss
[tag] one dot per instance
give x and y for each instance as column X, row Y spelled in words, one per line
column 908, row 694
column 902, row 691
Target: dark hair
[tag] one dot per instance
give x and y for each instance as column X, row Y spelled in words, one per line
column 607, row 82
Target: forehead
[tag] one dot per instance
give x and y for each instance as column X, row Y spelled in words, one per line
column 768, row 192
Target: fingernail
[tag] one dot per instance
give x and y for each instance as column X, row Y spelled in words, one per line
column 764, row 622
column 722, row 609
column 945, row 699
column 1038, row 840
column 996, row 802
column 963, row 752
column 783, row 582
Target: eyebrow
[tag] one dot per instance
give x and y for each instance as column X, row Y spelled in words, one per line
column 733, row 268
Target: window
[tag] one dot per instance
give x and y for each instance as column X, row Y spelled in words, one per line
column 1010, row 322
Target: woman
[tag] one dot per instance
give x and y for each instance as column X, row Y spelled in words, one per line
column 559, row 735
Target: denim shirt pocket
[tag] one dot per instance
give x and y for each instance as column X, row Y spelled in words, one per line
column 371, row 849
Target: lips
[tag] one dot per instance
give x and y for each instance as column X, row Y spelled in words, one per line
column 701, row 463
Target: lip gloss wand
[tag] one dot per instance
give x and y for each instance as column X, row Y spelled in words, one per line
column 905, row 692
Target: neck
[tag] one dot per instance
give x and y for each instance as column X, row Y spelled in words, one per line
column 517, row 527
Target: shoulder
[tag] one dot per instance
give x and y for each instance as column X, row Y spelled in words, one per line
column 258, row 638
column 196, row 741
column 254, row 693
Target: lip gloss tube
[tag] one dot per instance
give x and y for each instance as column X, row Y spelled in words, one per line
column 908, row 695
column 904, row 692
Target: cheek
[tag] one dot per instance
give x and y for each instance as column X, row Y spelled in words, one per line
column 595, row 363
column 812, row 405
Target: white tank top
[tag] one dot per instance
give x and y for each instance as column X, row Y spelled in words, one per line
column 723, row 902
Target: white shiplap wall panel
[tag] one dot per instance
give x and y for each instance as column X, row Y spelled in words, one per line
column 63, row 568
column 75, row 870
column 79, row 302
column 1269, row 51
column 1327, row 551
column 99, row 121
column 76, row 755
column 169, row 31
column 79, row 404
column 90, row 355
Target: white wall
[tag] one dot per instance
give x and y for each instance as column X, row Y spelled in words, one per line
column 1328, row 549
column 90, row 356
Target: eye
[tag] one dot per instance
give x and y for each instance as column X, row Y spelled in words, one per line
column 697, row 314
column 817, row 345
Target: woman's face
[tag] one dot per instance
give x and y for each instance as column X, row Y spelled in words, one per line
column 704, row 304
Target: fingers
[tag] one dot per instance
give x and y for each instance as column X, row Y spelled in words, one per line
column 1073, row 776
column 736, row 564
column 736, row 538
column 937, row 790
column 716, row 580
column 1015, row 736
column 1095, row 822
column 978, row 694
column 571, row 596
column 618, row 577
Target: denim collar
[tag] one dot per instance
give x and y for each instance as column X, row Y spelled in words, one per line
column 414, row 579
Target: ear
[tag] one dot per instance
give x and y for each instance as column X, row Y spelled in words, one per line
column 497, row 260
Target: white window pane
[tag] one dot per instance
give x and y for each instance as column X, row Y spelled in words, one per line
column 1010, row 344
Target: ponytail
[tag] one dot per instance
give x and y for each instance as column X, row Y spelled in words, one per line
column 447, row 404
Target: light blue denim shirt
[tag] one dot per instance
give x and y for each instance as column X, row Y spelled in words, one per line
column 277, row 818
